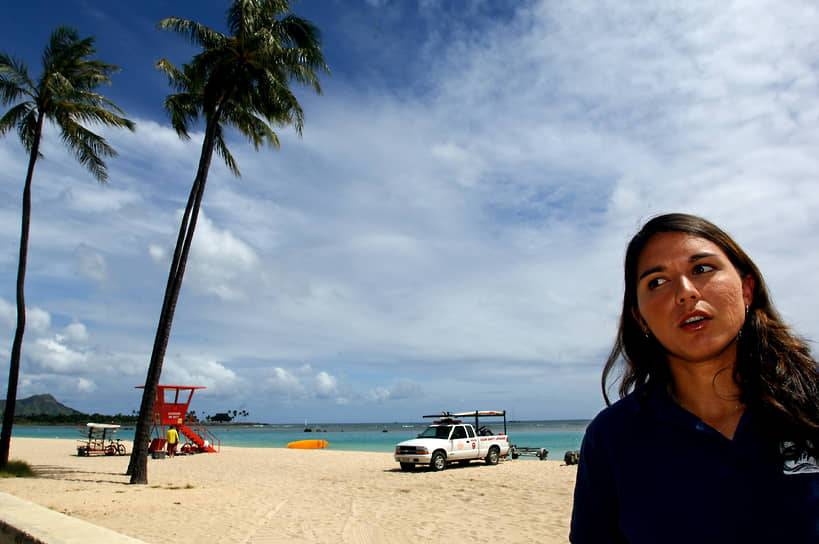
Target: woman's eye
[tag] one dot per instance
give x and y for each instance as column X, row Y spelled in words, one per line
column 703, row 268
column 655, row 282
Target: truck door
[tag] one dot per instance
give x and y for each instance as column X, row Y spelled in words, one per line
column 473, row 443
column 460, row 446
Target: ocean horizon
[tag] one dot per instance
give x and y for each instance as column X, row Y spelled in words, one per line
column 556, row 436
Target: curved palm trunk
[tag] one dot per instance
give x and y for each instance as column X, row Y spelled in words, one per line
column 14, row 364
column 138, row 465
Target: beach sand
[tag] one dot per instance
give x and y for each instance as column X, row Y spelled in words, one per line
column 260, row 495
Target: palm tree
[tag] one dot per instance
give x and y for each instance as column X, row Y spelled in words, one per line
column 239, row 80
column 64, row 95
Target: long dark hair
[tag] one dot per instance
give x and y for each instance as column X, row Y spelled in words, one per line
column 774, row 367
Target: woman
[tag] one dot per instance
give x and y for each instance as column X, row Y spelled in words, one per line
column 716, row 435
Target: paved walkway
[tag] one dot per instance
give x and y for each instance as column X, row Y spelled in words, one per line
column 24, row 522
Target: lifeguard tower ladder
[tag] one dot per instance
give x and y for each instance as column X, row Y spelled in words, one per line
column 171, row 408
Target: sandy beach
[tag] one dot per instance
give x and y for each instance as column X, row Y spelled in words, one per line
column 280, row 495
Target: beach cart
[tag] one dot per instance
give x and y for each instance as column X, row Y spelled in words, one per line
column 98, row 439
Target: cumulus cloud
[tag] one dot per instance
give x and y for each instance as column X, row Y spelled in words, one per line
column 38, row 321
column 204, row 371
column 326, row 386
column 283, row 382
column 157, row 253
column 92, row 264
column 219, row 261
column 8, row 313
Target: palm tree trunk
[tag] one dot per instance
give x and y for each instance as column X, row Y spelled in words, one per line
column 138, row 465
column 142, row 431
column 14, row 364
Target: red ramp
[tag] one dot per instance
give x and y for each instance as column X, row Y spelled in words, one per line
column 200, row 437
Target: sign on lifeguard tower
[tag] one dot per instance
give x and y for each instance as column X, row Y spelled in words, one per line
column 171, row 408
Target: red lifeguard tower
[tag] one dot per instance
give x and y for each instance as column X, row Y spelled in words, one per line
column 171, row 408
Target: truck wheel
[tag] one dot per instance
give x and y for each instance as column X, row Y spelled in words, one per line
column 493, row 456
column 438, row 461
column 407, row 467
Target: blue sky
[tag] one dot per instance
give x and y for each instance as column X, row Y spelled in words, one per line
column 447, row 234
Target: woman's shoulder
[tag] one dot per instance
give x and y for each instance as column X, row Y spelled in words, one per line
column 626, row 410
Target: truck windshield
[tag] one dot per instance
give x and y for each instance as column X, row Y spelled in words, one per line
column 440, row 431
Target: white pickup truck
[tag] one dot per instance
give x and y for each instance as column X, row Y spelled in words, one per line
column 448, row 440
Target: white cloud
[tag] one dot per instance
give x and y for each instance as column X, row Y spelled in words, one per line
column 326, row 386
column 53, row 355
column 220, row 261
column 38, row 321
column 76, row 332
column 88, row 199
column 91, row 264
column 8, row 313
column 157, row 253
column 84, row 385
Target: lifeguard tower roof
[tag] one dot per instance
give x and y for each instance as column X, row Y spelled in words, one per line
column 172, row 403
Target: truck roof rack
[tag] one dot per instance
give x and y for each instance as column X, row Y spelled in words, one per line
column 476, row 414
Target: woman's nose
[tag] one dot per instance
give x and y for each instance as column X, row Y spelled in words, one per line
column 686, row 290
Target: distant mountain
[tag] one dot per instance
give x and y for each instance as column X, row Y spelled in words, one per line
column 40, row 405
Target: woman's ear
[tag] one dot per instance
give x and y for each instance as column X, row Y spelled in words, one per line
column 639, row 319
column 748, row 284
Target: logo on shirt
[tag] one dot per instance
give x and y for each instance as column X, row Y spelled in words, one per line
column 797, row 461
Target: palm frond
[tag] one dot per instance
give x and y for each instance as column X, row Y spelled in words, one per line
column 14, row 80
column 197, row 34
column 91, row 113
column 277, row 103
column 88, row 147
column 223, row 151
column 183, row 108
column 176, row 77
column 58, row 85
column 95, row 100
column 12, row 118
column 61, row 37
column 257, row 131
column 27, row 128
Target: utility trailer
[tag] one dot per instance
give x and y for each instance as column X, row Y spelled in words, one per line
column 517, row 451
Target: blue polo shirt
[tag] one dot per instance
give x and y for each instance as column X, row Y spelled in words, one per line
column 651, row 472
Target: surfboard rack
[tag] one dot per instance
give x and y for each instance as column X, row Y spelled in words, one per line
column 477, row 414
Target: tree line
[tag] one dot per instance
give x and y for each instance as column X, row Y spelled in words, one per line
column 240, row 80
column 119, row 419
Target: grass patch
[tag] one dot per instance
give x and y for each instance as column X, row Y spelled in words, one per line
column 187, row 486
column 17, row 469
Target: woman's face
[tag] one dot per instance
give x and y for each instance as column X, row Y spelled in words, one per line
column 691, row 298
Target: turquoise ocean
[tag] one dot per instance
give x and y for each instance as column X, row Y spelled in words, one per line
column 557, row 437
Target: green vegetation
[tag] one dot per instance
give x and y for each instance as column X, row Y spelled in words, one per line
column 45, row 410
column 78, row 418
column 17, row 469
